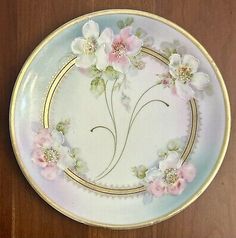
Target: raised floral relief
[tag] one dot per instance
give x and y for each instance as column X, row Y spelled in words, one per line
column 53, row 154
column 183, row 77
column 169, row 175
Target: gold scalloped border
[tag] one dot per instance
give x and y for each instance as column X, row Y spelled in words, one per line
column 74, row 216
column 92, row 185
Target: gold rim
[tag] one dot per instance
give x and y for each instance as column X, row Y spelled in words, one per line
column 211, row 175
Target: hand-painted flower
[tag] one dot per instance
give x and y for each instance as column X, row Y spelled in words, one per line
column 124, row 46
column 92, row 48
column 50, row 154
column 187, row 80
column 171, row 177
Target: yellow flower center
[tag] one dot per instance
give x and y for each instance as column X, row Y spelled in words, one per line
column 119, row 49
column 51, row 155
column 184, row 73
column 90, row 46
column 170, row 176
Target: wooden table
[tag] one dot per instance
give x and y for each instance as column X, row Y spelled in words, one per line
column 23, row 24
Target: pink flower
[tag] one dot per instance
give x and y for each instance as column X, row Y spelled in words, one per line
column 124, row 45
column 50, row 154
column 157, row 188
column 170, row 177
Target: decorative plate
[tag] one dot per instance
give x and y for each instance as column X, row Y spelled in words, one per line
column 119, row 118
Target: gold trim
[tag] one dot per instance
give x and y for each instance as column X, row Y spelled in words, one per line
column 92, row 185
column 102, row 189
column 187, row 202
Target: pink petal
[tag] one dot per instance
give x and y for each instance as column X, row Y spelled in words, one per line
column 157, row 188
column 188, row 172
column 125, row 33
column 133, row 44
column 43, row 137
column 121, row 63
column 50, row 172
column 38, row 158
column 178, row 187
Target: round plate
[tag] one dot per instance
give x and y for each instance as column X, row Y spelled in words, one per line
column 119, row 118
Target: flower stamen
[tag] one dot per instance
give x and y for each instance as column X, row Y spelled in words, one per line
column 170, row 176
column 184, row 73
column 51, row 155
column 118, row 49
column 90, row 46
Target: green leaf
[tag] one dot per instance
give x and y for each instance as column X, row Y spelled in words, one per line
column 111, row 74
column 97, row 86
column 129, row 21
column 94, row 72
column 120, row 24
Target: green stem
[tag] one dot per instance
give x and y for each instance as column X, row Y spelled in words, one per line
column 112, row 115
column 132, row 118
column 154, row 100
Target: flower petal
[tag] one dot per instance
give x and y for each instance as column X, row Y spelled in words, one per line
column 77, row 45
column 178, row 187
column 106, row 37
column 121, row 64
column 191, row 61
column 65, row 160
column 133, row 44
column 152, row 174
column 85, row 61
column 171, row 162
column 38, row 158
column 57, row 137
column 50, row 172
column 157, row 188
column 125, row 33
column 102, row 58
column 200, row 80
column 90, row 29
column 188, row 172
column 184, row 91
column 175, row 61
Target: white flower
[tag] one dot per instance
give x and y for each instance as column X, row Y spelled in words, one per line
column 92, row 48
column 187, row 80
column 172, row 161
column 152, row 174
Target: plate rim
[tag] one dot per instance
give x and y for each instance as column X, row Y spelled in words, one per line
column 190, row 200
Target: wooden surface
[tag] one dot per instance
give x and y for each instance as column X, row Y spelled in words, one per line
column 23, row 24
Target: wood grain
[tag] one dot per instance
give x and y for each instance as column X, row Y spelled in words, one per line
column 23, row 24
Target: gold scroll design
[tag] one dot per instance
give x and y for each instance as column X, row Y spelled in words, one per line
column 92, row 185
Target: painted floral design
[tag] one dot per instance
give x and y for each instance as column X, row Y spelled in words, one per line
column 51, row 153
column 106, row 56
column 124, row 45
column 109, row 56
column 183, row 77
column 93, row 47
column 170, row 175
